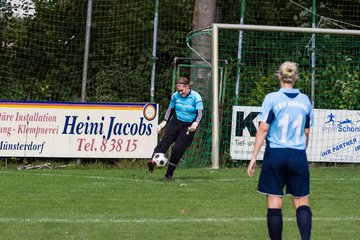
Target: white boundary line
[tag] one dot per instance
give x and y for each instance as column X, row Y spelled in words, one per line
column 141, row 178
column 172, row 220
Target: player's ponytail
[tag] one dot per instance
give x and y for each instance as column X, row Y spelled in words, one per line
column 288, row 72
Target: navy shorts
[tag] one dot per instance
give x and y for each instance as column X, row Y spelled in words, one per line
column 284, row 167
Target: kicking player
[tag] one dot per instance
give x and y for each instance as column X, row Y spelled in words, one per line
column 284, row 121
column 181, row 119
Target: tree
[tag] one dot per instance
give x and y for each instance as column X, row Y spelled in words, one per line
column 203, row 16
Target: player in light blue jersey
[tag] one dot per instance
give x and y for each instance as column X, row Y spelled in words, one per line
column 284, row 121
column 181, row 119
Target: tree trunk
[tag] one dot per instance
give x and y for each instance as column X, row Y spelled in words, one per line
column 204, row 13
column 203, row 16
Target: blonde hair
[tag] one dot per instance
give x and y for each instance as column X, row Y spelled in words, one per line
column 184, row 80
column 288, row 72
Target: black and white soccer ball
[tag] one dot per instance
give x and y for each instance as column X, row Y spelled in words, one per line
column 159, row 160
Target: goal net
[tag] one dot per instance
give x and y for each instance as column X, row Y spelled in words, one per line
column 329, row 74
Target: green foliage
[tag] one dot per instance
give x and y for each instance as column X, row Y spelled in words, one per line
column 113, row 83
column 341, row 81
column 263, row 86
column 42, row 55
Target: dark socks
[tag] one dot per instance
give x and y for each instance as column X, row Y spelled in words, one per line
column 170, row 170
column 274, row 223
column 304, row 219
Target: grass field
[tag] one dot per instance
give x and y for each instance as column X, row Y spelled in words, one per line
column 198, row 204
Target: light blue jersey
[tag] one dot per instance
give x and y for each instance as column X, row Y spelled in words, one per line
column 288, row 112
column 186, row 107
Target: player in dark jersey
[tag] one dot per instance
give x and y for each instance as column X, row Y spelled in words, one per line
column 181, row 119
column 284, row 121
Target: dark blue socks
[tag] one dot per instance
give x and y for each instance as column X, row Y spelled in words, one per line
column 304, row 219
column 274, row 223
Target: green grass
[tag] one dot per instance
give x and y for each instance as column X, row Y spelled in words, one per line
column 198, row 204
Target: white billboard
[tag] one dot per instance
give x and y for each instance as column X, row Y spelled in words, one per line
column 91, row 130
column 334, row 137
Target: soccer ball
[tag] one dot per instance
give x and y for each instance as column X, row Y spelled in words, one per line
column 159, row 160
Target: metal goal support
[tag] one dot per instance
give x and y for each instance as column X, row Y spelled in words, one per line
column 215, row 70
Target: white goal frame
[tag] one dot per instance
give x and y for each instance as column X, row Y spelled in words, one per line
column 215, row 71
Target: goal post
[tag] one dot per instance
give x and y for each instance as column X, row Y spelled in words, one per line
column 216, row 27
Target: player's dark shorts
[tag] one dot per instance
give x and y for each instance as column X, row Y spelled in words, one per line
column 284, row 167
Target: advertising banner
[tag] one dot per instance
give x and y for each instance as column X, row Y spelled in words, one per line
column 77, row 130
column 334, row 137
